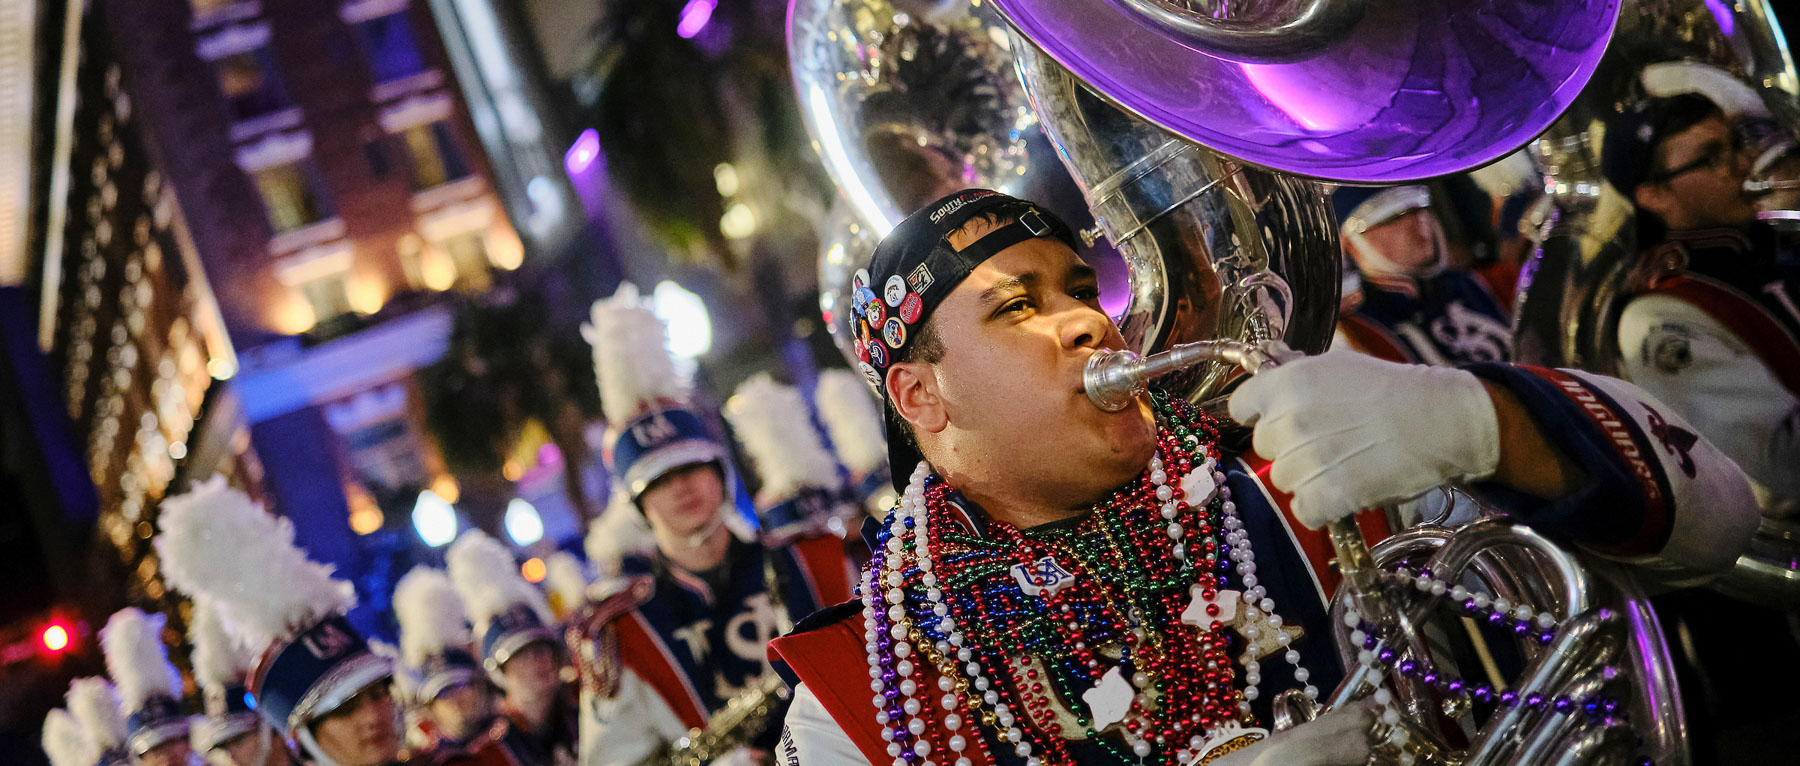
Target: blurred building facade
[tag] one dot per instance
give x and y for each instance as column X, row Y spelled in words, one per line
column 263, row 220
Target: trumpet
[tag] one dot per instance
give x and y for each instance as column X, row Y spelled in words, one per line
column 1603, row 649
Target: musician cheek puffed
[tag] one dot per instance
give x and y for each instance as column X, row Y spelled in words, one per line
column 1063, row 584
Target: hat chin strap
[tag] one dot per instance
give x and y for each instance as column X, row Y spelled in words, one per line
column 305, row 737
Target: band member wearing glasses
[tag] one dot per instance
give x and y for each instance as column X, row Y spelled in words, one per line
column 1061, row 584
column 1713, row 329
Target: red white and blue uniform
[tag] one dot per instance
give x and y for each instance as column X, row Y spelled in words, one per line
column 672, row 648
column 1715, row 334
column 1646, row 501
column 1451, row 319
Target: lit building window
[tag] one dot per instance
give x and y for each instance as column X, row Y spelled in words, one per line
column 436, row 161
column 392, row 50
column 456, row 247
column 329, row 296
column 250, row 84
column 291, row 195
column 322, row 276
column 468, row 253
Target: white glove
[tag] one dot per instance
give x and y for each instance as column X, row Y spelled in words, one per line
column 1347, row 431
column 1337, row 738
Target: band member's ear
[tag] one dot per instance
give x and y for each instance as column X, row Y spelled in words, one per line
column 914, row 390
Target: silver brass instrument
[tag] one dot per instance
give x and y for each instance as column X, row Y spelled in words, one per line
column 1166, row 112
column 1331, row 104
column 1608, row 641
column 905, row 103
column 743, row 717
column 1589, row 260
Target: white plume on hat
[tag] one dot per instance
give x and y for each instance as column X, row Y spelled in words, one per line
column 775, row 426
column 405, row 680
column 216, row 544
column 219, row 660
column 1508, row 175
column 853, row 419
column 632, row 363
column 488, row 578
column 566, row 578
column 136, row 658
column 620, row 531
column 66, row 742
column 431, row 615
column 95, row 705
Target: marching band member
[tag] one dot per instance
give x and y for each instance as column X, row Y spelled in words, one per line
column 1404, row 302
column 519, row 647
column 1713, row 327
column 317, row 682
column 93, row 703
column 457, row 705
column 1710, row 327
column 231, row 733
column 850, row 415
column 1063, row 584
column 684, row 632
column 149, row 688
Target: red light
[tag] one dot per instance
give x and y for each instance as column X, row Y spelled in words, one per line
column 55, row 638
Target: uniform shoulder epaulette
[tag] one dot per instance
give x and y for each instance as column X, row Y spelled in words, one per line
column 592, row 642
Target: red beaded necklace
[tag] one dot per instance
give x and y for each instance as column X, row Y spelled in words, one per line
column 1053, row 613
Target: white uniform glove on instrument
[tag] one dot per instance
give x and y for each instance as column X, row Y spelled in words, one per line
column 1347, row 432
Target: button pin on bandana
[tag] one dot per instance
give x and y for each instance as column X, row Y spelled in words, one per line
column 878, row 355
column 875, row 311
column 895, row 290
column 910, row 308
column 869, row 372
column 861, row 280
column 894, row 332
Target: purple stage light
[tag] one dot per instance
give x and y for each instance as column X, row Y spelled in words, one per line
column 583, row 152
column 694, row 17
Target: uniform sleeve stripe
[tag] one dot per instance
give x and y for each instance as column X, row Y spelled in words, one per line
column 1624, row 509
